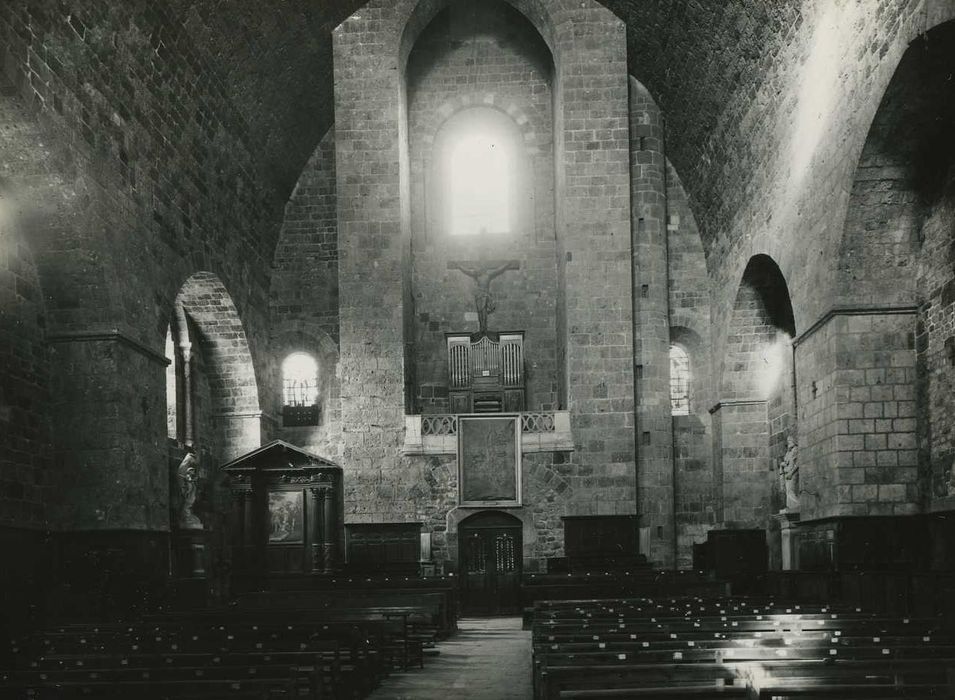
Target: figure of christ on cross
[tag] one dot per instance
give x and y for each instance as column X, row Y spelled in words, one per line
column 483, row 273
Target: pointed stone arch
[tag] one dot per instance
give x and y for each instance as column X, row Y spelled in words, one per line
column 756, row 411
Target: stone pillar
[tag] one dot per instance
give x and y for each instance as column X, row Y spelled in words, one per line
column 371, row 274
column 191, row 553
column 592, row 153
column 188, row 427
column 651, row 326
column 112, row 478
column 743, row 462
column 858, row 452
column 111, row 501
column 788, row 526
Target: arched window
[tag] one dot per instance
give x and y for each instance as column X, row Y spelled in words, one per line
column 172, row 425
column 679, row 381
column 300, row 390
column 480, row 181
column 480, row 174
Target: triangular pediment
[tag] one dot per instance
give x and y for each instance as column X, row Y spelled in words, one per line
column 278, row 456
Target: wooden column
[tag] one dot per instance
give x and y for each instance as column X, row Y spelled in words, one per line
column 315, row 535
column 250, row 545
column 236, row 526
column 328, row 529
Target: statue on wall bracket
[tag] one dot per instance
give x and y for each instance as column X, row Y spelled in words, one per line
column 187, row 476
column 483, row 274
column 789, row 474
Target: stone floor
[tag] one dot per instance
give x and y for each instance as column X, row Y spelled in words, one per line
column 488, row 659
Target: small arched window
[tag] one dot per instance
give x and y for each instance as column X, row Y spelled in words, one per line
column 679, row 381
column 172, row 424
column 300, row 390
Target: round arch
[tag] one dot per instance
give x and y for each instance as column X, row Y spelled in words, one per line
column 761, row 324
column 417, row 14
column 899, row 175
column 449, row 110
column 490, row 562
column 204, row 300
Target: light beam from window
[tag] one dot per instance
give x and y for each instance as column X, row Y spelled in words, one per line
column 172, row 425
column 480, row 185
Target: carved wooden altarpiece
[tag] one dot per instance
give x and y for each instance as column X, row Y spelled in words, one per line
column 287, row 512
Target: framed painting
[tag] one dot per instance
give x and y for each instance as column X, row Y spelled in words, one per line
column 489, row 460
column 286, row 517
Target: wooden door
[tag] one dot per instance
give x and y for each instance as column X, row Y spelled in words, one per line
column 490, row 557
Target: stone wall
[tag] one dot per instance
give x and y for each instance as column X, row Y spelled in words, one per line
column 651, row 324
column 137, row 171
column 25, row 464
column 25, row 439
column 755, row 394
column 594, row 254
column 694, row 498
column 936, row 354
column 484, row 59
column 303, row 299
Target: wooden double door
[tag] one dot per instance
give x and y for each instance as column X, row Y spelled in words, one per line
column 490, row 556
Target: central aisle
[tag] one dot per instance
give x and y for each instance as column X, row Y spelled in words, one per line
column 488, row 659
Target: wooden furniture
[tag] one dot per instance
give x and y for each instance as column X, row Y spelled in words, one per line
column 215, row 654
column 383, row 547
column 600, row 542
column 287, row 513
column 740, row 556
column 486, row 372
column 729, row 646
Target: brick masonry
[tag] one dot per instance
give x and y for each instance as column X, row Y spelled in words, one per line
column 694, row 496
column 303, row 298
column 593, row 175
column 756, row 400
column 488, row 60
column 150, row 141
column 651, row 319
column 138, row 172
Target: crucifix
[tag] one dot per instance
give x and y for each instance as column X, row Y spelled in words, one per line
column 483, row 274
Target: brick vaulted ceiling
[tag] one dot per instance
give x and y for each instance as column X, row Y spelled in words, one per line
column 701, row 59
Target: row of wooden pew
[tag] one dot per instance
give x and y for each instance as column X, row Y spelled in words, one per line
column 234, row 653
column 712, row 647
column 617, row 583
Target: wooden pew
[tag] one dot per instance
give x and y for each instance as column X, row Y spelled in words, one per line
column 206, row 657
column 698, row 647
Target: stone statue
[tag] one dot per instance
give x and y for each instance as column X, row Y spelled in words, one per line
column 789, row 473
column 188, row 485
column 482, row 276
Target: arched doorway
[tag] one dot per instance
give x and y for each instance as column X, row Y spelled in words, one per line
column 490, row 546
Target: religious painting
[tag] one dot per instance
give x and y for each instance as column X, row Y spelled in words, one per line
column 489, row 458
column 286, row 521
